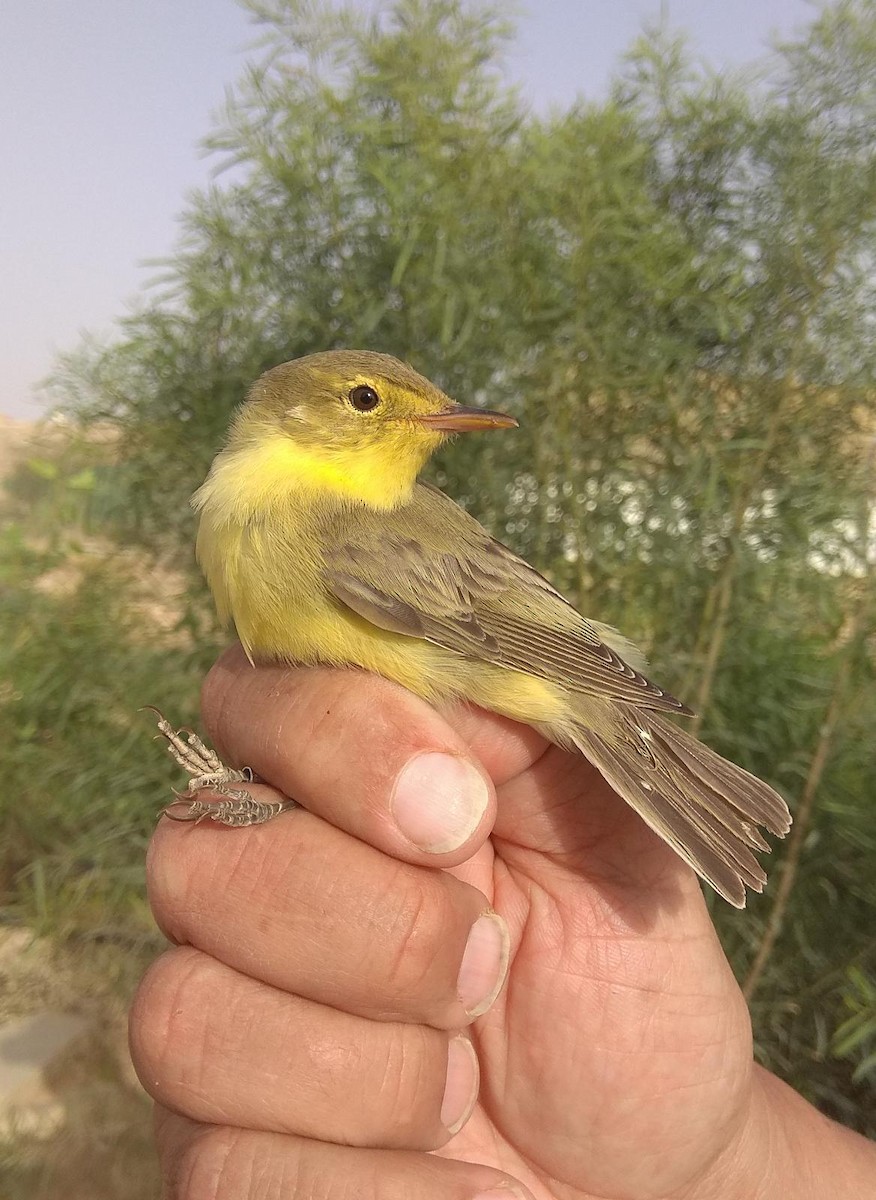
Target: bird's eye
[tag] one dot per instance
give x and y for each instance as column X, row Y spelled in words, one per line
column 364, row 398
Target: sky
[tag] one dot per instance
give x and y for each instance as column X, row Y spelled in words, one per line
column 104, row 104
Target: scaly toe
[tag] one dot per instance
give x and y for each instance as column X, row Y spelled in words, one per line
column 234, row 808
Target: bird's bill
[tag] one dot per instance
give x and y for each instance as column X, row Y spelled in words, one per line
column 461, row 419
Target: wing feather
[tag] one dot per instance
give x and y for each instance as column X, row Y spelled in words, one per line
column 430, row 571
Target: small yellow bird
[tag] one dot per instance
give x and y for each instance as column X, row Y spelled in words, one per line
column 318, row 542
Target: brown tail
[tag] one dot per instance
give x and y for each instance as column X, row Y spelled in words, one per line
column 706, row 808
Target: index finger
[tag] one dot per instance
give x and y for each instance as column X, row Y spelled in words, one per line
column 361, row 752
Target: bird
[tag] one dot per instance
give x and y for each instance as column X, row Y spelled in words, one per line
column 322, row 546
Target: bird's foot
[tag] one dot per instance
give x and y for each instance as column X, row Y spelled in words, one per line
column 234, row 806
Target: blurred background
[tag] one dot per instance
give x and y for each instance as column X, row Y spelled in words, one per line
column 657, row 250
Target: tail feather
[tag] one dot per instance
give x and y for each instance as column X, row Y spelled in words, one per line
column 745, row 791
column 706, row 808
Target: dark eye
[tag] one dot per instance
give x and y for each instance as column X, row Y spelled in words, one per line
column 364, row 398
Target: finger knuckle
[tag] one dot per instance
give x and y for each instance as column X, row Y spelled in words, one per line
column 216, row 1164
column 166, row 1030
column 409, row 1089
column 420, row 918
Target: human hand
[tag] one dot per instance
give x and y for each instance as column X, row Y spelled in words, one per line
column 299, row 1037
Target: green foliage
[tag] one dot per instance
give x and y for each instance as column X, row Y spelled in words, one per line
column 82, row 779
column 673, row 289
column 68, row 480
column 858, row 1031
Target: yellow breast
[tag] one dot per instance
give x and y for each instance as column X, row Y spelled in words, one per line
column 260, row 550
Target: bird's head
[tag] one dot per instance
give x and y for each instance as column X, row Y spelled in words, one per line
column 354, row 421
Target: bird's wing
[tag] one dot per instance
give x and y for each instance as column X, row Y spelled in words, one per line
column 430, row 571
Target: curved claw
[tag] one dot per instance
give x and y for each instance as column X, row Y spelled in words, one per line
column 191, row 810
column 183, row 797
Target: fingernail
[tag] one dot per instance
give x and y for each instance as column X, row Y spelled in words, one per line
column 484, row 964
column 461, row 1088
column 439, row 801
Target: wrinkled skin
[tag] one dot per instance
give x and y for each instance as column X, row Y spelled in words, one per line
column 296, row 1038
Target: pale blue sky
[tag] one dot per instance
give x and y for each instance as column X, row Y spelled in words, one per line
column 103, row 103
